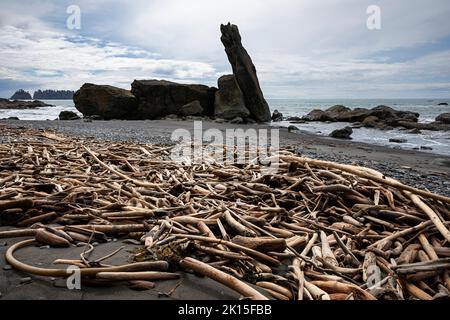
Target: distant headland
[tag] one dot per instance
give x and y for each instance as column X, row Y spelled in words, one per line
column 43, row 95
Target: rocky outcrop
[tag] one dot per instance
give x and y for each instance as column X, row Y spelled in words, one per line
column 245, row 73
column 443, row 104
column 444, row 118
column 193, row 108
column 433, row 126
column 21, row 95
column 158, row 98
column 229, row 102
column 381, row 117
column 17, row 104
column 277, row 116
column 317, row 115
column 343, row 133
column 107, row 102
column 68, row 115
column 53, row 94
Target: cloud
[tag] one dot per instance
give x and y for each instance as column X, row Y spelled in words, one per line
column 307, row 48
column 62, row 61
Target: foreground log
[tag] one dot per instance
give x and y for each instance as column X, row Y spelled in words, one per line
column 261, row 243
column 220, row 276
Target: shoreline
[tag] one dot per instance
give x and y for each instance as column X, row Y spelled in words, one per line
column 416, row 168
column 69, row 155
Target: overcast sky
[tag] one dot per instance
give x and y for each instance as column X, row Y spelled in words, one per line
column 301, row 48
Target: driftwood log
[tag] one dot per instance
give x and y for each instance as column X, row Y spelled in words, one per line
column 314, row 230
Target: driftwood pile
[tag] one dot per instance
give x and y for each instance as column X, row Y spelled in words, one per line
column 314, row 230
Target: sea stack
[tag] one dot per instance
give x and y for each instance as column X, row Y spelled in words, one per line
column 245, row 73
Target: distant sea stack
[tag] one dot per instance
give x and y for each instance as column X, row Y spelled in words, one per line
column 21, row 95
column 53, row 94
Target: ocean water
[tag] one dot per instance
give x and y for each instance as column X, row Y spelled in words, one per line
column 428, row 109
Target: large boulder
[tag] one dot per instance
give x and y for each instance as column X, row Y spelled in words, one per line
column 108, row 102
column 336, row 111
column 159, row 98
column 343, row 133
column 317, row 115
column 370, row 122
column 193, row 108
column 380, row 117
column 245, row 73
column 68, row 115
column 444, row 118
column 229, row 102
column 277, row 116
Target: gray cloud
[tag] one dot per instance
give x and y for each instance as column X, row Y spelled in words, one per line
column 310, row 49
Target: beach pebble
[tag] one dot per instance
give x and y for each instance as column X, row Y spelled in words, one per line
column 292, row 128
column 44, row 247
column 81, row 244
column 7, row 267
column 26, row 280
column 425, row 148
column 344, row 133
column 95, row 244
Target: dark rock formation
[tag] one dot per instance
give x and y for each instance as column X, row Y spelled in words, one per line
column 370, row 122
column 433, row 126
column 444, row 118
column 343, row 133
column 397, row 140
column 277, row 116
column 108, row 102
column 317, row 115
column 21, row 95
column 53, row 94
column 245, row 73
column 229, row 102
column 381, row 117
column 68, row 115
column 193, row 108
column 158, row 98
column 10, row 118
column 443, row 104
column 17, row 104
